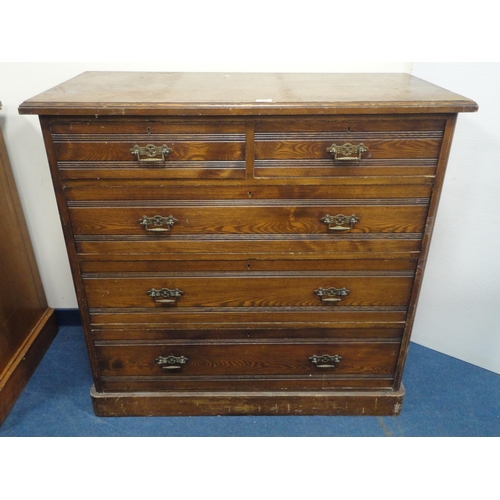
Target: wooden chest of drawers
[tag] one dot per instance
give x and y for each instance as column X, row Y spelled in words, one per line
column 247, row 243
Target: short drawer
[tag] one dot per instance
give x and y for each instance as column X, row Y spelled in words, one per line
column 128, row 149
column 357, row 146
column 255, row 217
column 223, row 359
column 254, row 290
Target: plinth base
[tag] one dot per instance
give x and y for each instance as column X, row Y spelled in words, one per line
column 114, row 404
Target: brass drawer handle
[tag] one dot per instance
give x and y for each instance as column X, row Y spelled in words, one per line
column 171, row 362
column 150, row 152
column 325, row 361
column 339, row 222
column 154, row 224
column 165, row 295
column 347, row 151
column 331, row 294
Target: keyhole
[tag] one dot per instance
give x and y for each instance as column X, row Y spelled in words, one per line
column 348, row 129
column 249, row 194
column 148, row 130
column 248, row 267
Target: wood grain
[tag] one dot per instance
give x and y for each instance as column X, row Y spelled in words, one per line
column 227, row 359
column 134, row 93
column 248, row 181
column 261, row 402
column 296, row 218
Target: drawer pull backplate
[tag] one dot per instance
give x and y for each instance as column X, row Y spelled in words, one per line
column 331, row 294
column 165, row 295
column 339, row 222
column 155, row 224
column 171, row 362
column 347, row 151
column 325, row 361
column 151, row 153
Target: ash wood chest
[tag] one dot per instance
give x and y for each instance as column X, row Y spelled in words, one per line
column 247, row 243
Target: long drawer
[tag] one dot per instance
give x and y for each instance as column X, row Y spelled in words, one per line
column 204, row 358
column 345, row 191
column 361, row 331
column 246, row 263
column 250, row 247
column 177, row 320
column 256, row 217
column 233, row 290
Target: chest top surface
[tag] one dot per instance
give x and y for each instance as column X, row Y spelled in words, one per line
column 136, row 93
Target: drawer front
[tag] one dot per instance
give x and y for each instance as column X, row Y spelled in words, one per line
column 148, row 149
column 108, row 191
column 348, row 147
column 281, row 319
column 219, row 359
column 242, row 247
column 125, row 332
column 246, row 265
column 253, row 284
column 266, row 217
column 249, row 290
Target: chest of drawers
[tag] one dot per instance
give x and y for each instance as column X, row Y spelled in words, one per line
column 247, row 243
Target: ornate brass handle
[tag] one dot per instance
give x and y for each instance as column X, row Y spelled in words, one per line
column 151, row 153
column 154, row 224
column 331, row 294
column 165, row 295
column 339, row 222
column 347, row 151
column 171, row 362
column 325, row 361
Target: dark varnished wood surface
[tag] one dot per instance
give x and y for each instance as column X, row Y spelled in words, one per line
column 247, row 358
column 21, row 294
column 27, row 324
column 362, row 332
column 283, row 319
column 262, row 402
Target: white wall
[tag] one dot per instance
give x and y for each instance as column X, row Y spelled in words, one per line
column 457, row 313
column 459, row 307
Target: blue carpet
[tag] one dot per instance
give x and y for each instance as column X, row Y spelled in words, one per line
column 444, row 397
